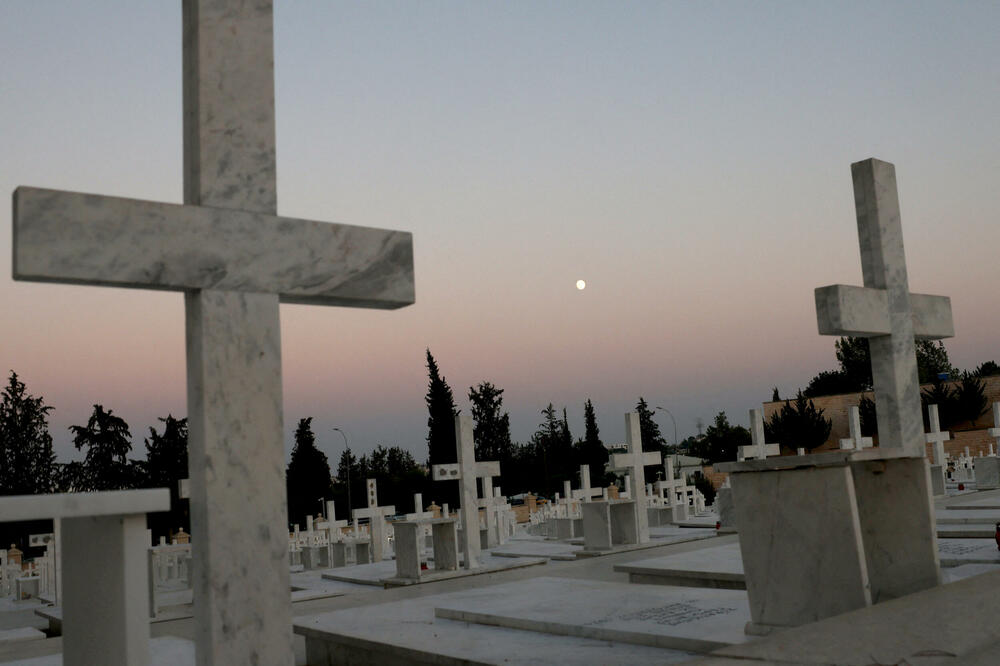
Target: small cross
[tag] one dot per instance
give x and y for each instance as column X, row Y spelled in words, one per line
column 995, row 430
column 466, row 471
column 855, row 441
column 635, row 459
column 585, row 492
column 884, row 310
column 376, row 516
column 668, row 486
column 936, row 436
column 758, row 449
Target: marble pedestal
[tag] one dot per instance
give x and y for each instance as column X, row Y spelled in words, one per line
column 987, row 472
column 937, row 480
column 659, row 515
column 315, row 557
column 444, row 537
column 564, row 528
column 609, row 523
column 828, row 533
column 724, row 507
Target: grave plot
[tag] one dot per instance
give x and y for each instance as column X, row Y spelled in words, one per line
column 553, row 550
column 163, row 651
column 982, row 504
column 658, row 536
column 408, row 632
column 696, row 620
column 383, row 574
column 720, row 567
column 955, row 552
column 966, row 516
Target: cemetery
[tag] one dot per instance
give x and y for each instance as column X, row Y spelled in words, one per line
column 872, row 539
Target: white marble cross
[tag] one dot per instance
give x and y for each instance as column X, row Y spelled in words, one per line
column 466, row 471
column 884, row 310
column 855, row 441
column 758, row 449
column 995, row 430
column 376, row 520
column 667, row 487
column 235, row 260
column 634, row 460
column 936, row 436
column 585, row 492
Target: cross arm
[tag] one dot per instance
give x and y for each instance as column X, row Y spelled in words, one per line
column 111, row 241
column 446, row 472
column 488, row 468
column 864, row 312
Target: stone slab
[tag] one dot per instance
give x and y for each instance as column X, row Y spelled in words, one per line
column 717, row 567
column 955, row 552
column 659, row 536
column 691, row 619
column 383, row 574
column 983, row 503
column 961, row 572
column 966, row 516
column 163, row 651
column 21, row 634
column 81, row 505
column 554, row 550
column 406, row 632
column 987, row 472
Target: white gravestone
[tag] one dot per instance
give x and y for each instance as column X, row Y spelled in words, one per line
column 875, row 529
column 937, row 438
column 376, row 521
column 855, row 441
column 235, row 260
column 758, row 450
column 633, row 460
column 586, row 492
column 988, row 467
column 466, row 471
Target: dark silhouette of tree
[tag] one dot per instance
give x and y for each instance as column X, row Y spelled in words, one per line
column 702, row 483
column 441, row 419
column 652, row 439
column 398, row 477
column 348, row 478
column 798, row 424
column 308, row 475
column 830, row 382
column 774, row 395
column 869, row 419
column 855, row 361
column 987, row 369
column 721, row 441
column 932, row 361
column 492, row 424
column 107, row 441
column 166, row 464
column 27, row 462
column 591, row 450
column 940, row 394
column 970, row 398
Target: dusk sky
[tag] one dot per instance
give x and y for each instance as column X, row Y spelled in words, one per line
column 690, row 161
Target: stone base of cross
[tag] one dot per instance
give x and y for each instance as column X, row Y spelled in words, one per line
column 466, row 471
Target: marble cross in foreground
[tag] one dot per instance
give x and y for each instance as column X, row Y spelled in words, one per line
column 855, row 441
column 884, row 310
column 234, row 259
column 936, row 436
column 758, row 449
column 635, row 459
column 466, row 471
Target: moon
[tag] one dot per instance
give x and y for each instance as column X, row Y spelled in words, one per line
column 581, row 285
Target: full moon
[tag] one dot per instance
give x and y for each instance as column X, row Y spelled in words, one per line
column 581, row 285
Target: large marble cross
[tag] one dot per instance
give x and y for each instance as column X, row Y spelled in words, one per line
column 936, row 436
column 884, row 310
column 466, row 471
column 635, row 459
column 758, row 448
column 855, row 441
column 235, row 260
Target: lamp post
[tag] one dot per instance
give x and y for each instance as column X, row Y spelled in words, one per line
column 321, row 508
column 347, row 449
column 674, row 421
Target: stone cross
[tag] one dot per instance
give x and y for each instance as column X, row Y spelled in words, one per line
column 635, row 459
column 235, row 260
column 855, row 441
column 995, row 430
column 936, row 436
column 669, row 484
column 884, row 310
column 758, row 449
column 376, row 520
column 585, row 492
column 466, row 471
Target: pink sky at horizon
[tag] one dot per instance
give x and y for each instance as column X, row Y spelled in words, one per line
column 690, row 162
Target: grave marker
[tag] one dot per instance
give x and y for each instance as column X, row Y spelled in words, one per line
column 634, row 460
column 235, row 260
column 936, row 436
column 855, row 441
column 759, row 449
column 376, row 516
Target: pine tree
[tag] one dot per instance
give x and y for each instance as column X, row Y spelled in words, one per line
column 591, row 450
column 308, row 475
column 721, row 441
column 970, row 398
column 27, row 462
column 441, row 419
column 106, row 466
column 492, row 424
column 652, row 440
column 166, row 465
column 798, row 425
